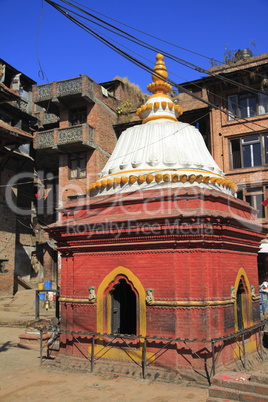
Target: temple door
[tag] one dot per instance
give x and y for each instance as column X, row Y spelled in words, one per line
column 123, row 309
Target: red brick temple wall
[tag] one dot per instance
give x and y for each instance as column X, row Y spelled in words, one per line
column 191, row 271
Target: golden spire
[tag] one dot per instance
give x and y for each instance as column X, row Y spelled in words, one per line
column 159, row 105
column 160, row 75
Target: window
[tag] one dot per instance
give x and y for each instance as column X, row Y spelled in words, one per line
column 255, row 196
column 249, row 151
column 78, row 116
column 247, row 105
column 77, row 165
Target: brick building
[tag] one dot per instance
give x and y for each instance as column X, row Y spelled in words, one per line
column 161, row 248
column 238, row 138
column 55, row 138
column 76, row 133
column 17, row 237
column 75, row 138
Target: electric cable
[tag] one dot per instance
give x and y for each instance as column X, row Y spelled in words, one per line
column 146, row 33
column 42, row 75
column 7, row 242
column 143, row 44
column 150, row 35
column 144, row 66
column 157, row 38
column 220, row 97
column 27, row 182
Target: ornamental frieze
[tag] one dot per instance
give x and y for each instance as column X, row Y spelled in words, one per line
column 50, row 117
column 71, row 134
column 44, row 92
column 69, row 87
column 46, row 139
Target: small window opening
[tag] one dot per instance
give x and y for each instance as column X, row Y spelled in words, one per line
column 77, row 165
column 78, row 116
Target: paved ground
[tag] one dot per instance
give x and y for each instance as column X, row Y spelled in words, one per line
column 23, row 379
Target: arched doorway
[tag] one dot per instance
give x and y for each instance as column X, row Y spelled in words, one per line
column 123, row 309
column 121, row 288
column 241, row 307
column 119, row 282
column 243, row 301
column 243, row 314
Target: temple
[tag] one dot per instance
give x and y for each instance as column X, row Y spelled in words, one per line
column 160, row 251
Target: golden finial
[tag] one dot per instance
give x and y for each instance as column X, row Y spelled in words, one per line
column 160, row 75
column 159, row 105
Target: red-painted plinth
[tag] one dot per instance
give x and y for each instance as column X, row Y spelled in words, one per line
column 196, row 250
column 31, row 340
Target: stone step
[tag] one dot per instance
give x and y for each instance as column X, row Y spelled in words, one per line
column 227, row 394
column 214, row 399
column 260, row 376
column 256, row 384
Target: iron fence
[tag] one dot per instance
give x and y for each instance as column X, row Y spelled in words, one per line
column 125, row 340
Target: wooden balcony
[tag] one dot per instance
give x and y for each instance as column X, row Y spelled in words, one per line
column 22, row 104
column 58, row 92
column 23, row 108
column 66, row 139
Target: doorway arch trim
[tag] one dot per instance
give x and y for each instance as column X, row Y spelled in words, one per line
column 141, row 302
column 242, row 275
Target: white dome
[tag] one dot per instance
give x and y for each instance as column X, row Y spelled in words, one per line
column 162, row 152
column 161, row 145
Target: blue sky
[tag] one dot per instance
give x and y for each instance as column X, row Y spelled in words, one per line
column 32, row 30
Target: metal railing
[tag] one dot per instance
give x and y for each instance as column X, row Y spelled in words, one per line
column 149, row 341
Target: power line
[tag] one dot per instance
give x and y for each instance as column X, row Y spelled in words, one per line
column 139, row 42
column 41, row 73
column 28, row 182
column 201, row 99
column 146, row 67
column 145, row 33
column 155, row 37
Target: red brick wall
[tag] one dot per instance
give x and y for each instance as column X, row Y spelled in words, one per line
column 184, row 268
column 198, row 275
